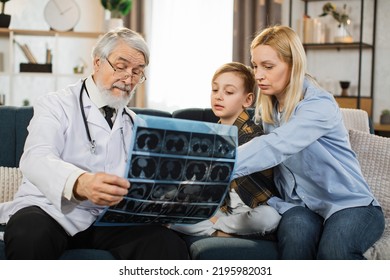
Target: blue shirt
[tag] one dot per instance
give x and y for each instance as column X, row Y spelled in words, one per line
column 314, row 164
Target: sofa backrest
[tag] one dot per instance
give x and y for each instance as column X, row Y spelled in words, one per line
column 151, row 112
column 14, row 121
column 196, row 114
column 356, row 119
column 13, row 130
column 13, row 133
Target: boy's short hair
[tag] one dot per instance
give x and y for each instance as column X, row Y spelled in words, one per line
column 243, row 71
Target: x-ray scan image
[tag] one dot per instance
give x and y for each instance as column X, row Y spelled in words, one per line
column 201, row 145
column 203, row 211
column 179, row 172
column 139, row 190
column 171, row 169
column 224, row 147
column 220, row 172
column 133, row 206
column 115, row 217
column 164, row 192
column 175, row 143
column 149, row 140
column 213, row 193
column 196, row 170
column 143, row 167
column 189, row 193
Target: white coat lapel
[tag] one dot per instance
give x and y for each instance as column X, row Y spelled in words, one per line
column 93, row 115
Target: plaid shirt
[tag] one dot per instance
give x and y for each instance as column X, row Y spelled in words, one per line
column 256, row 188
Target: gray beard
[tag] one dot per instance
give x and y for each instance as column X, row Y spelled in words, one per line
column 117, row 102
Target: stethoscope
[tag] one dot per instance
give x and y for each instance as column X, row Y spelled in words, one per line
column 91, row 141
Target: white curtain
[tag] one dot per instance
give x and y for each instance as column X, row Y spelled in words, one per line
column 188, row 41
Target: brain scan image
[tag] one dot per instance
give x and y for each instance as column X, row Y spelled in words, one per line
column 196, row 170
column 170, row 169
column 220, row 172
column 224, row 148
column 201, row 145
column 149, row 140
column 143, row 167
column 175, row 143
column 164, row 192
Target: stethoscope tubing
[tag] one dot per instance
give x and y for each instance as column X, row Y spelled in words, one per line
column 93, row 143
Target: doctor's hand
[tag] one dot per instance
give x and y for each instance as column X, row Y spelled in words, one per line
column 101, row 188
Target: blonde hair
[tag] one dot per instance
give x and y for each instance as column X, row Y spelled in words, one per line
column 242, row 71
column 289, row 49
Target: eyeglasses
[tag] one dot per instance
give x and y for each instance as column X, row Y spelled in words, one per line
column 136, row 75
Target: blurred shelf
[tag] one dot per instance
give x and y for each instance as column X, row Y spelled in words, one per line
column 26, row 32
column 382, row 127
column 339, row 46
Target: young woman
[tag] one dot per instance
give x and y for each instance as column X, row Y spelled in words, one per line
column 327, row 208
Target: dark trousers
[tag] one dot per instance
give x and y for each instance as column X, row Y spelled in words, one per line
column 32, row 234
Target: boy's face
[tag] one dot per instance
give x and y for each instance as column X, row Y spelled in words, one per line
column 228, row 97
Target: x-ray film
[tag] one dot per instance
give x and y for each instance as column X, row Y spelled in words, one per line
column 179, row 171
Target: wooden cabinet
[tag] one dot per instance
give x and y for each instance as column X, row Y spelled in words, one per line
column 69, row 49
column 338, row 60
column 352, row 102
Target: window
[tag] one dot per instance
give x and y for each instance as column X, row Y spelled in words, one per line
column 188, row 41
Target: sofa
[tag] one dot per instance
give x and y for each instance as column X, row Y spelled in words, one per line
column 372, row 151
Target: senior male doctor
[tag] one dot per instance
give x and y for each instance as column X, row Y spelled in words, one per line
column 74, row 159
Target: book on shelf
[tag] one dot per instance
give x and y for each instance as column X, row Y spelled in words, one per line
column 27, row 52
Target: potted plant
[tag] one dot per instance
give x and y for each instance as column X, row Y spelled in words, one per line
column 343, row 35
column 4, row 18
column 385, row 117
column 117, row 9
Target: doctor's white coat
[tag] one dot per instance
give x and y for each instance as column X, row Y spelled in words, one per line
column 57, row 149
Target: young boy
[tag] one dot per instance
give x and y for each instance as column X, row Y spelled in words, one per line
column 245, row 211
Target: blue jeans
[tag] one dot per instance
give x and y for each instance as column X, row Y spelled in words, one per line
column 346, row 235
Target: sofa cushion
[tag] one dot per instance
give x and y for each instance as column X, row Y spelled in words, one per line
column 373, row 153
column 229, row 248
column 10, row 180
column 74, row 254
column 196, row 114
